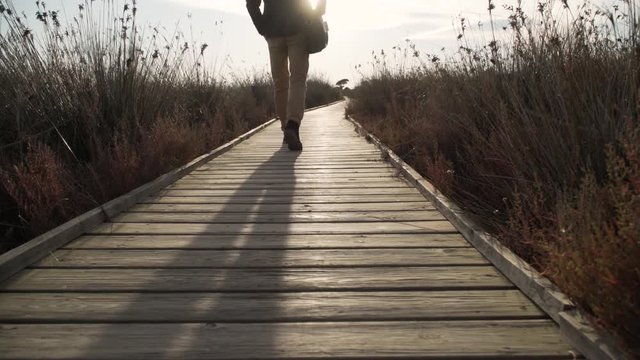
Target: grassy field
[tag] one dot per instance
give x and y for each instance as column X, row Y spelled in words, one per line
column 91, row 110
column 538, row 135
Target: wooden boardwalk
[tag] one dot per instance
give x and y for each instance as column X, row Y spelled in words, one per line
column 266, row 253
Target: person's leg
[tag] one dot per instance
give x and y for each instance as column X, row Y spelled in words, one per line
column 299, row 67
column 278, row 55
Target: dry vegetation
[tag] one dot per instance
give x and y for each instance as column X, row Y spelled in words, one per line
column 96, row 105
column 539, row 137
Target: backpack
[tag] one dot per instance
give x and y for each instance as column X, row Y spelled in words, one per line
column 316, row 33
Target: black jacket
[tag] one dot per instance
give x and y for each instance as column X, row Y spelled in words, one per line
column 282, row 17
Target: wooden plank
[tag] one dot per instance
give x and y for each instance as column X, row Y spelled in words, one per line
column 267, row 168
column 280, row 178
column 291, row 171
column 376, row 182
column 289, row 192
column 300, row 177
column 242, row 154
column 312, row 164
column 250, row 149
column 297, row 163
column 197, row 185
column 308, row 160
column 282, row 199
column 407, row 227
column 310, row 151
column 304, row 161
column 267, row 145
column 273, row 142
column 283, row 208
column 243, row 307
column 339, row 174
column 353, row 340
column 318, row 159
column 208, row 185
column 269, row 141
column 326, row 151
column 218, row 242
column 317, row 145
column 263, row 217
column 273, row 138
column 261, row 258
column 257, row 280
column 317, row 138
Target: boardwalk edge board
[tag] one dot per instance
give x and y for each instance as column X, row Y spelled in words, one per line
column 37, row 248
column 592, row 342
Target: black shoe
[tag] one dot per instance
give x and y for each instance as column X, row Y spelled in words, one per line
column 291, row 136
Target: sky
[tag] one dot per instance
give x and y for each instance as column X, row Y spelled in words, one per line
column 357, row 27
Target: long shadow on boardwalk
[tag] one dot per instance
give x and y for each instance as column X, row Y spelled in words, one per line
column 207, row 331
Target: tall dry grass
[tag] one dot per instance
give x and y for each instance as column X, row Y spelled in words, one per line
column 97, row 104
column 537, row 136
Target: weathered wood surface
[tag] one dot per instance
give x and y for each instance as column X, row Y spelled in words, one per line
column 205, row 185
column 363, row 167
column 264, row 253
column 361, row 340
column 317, row 217
column 288, row 181
column 260, row 307
column 285, row 183
column 252, row 241
column 319, row 199
column 262, row 258
column 283, row 208
column 405, row 227
column 299, row 174
column 254, row 280
column 286, row 192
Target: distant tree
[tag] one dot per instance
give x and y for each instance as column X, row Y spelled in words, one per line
column 341, row 84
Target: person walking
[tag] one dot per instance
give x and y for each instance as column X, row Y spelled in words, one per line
column 282, row 23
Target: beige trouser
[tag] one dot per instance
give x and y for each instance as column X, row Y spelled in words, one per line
column 289, row 68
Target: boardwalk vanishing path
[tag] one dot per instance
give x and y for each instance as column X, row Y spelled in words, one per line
column 266, row 253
